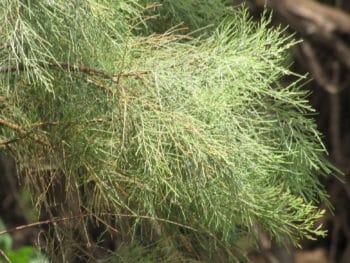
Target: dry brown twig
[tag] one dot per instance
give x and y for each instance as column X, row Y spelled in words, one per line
column 71, row 67
column 20, row 131
column 58, row 220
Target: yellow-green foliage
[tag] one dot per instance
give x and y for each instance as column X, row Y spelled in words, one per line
column 182, row 144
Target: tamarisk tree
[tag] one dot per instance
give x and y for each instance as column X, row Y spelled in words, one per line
column 156, row 132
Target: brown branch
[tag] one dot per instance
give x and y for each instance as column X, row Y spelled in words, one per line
column 21, row 131
column 7, row 142
column 39, row 223
column 137, row 74
column 59, row 65
column 71, row 67
column 12, row 126
column 100, row 84
column 57, row 220
column 92, row 72
column 57, row 123
column 83, row 69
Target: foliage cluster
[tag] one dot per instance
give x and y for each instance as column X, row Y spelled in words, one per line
column 168, row 142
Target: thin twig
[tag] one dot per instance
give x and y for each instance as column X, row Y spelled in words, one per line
column 93, row 72
column 97, row 83
column 77, row 122
column 21, row 131
column 12, row 126
column 138, row 74
column 3, row 254
column 39, row 223
column 62, row 65
column 24, row 133
column 7, row 142
column 71, row 67
column 108, row 225
column 57, row 220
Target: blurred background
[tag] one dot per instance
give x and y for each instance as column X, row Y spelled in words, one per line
column 324, row 54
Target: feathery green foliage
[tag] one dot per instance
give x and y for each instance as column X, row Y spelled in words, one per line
column 187, row 15
column 177, row 144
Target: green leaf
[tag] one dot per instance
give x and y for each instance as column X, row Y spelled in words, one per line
column 26, row 254
column 5, row 239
